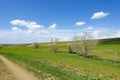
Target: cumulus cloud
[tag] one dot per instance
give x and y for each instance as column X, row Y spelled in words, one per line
column 29, row 24
column 99, row 15
column 79, row 23
column 16, row 29
column 53, row 26
column 32, row 27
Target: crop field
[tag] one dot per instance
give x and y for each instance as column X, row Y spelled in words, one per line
column 103, row 62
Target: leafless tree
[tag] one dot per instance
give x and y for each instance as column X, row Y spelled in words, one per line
column 83, row 44
column 54, row 44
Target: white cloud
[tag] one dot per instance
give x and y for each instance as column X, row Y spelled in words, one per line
column 101, row 34
column 29, row 31
column 89, row 28
column 29, row 35
column 29, row 24
column 99, row 15
column 118, row 34
column 64, row 38
column 53, row 26
column 43, row 35
column 45, row 31
column 32, row 27
column 19, row 22
column 79, row 23
column 96, row 32
column 16, row 29
column 79, row 34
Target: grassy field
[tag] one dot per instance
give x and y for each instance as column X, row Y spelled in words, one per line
column 103, row 63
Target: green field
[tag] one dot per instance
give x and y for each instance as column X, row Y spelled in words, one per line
column 103, row 63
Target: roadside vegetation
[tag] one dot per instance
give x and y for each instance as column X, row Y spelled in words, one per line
column 102, row 63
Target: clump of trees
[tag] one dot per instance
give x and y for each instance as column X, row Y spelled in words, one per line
column 54, row 44
column 82, row 44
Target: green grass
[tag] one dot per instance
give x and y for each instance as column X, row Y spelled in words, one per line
column 110, row 41
column 64, row 66
column 107, row 52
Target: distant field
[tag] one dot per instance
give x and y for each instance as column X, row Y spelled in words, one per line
column 103, row 62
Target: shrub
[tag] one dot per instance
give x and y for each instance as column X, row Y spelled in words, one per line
column 36, row 45
column 70, row 49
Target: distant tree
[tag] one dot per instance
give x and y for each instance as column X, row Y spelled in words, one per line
column 36, row 45
column 54, row 45
column 83, row 44
column 1, row 46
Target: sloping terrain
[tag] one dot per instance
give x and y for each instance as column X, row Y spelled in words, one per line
column 103, row 63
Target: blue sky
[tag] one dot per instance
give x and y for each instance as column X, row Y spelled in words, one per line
column 24, row 21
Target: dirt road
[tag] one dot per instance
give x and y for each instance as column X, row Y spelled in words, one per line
column 18, row 72
column 5, row 74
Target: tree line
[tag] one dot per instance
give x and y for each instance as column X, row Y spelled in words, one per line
column 81, row 44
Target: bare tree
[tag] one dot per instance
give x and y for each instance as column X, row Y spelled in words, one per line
column 83, row 44
column 54, row 46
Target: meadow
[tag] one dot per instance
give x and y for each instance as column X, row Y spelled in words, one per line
column 103, row 62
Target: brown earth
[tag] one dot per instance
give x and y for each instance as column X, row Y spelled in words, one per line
column 5, row 74
column 15, row 71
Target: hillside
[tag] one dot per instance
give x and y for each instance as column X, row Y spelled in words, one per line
column 103, row 62
column 110, row 41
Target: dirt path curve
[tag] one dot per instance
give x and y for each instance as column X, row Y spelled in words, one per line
column 18, row 72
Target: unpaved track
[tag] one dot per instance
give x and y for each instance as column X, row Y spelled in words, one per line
column 18, row 72
column 5, row 74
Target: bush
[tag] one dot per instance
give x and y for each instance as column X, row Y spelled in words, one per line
column 36, row 45
column 70, row 49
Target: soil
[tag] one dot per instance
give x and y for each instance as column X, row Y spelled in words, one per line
column 14, row 71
